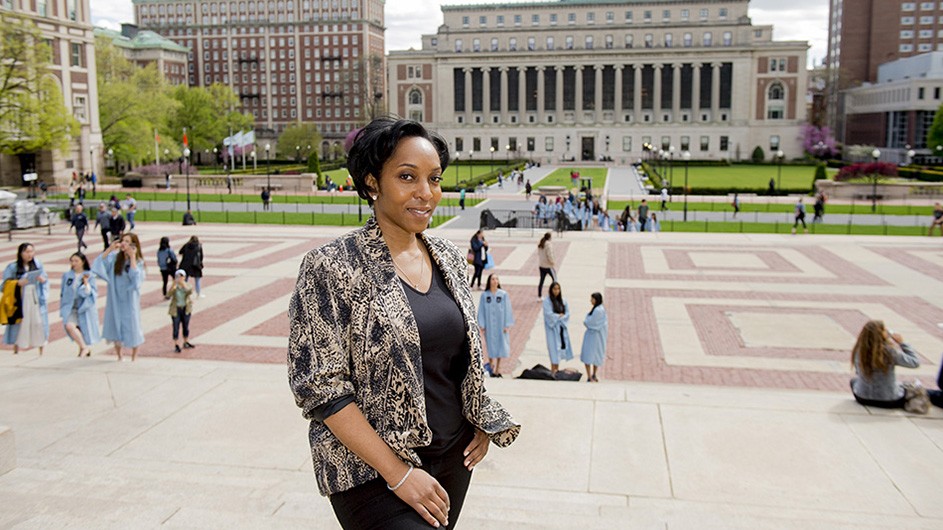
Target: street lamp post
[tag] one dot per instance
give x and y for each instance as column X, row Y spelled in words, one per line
column 910, row 156
column 779, row 169
column 492, row 159
column 686, row 156
column 215, row 159
column 297, row 153
column 458, row 155
column 470, row 152
column 671, row 167
column 268, row 168
column 875, row 155
column 186, row 156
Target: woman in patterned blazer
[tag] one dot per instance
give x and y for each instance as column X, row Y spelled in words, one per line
column 384, row 354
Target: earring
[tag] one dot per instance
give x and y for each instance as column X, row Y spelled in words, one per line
column 373, row 197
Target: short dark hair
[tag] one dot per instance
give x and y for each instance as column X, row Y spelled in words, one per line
column 375, row 143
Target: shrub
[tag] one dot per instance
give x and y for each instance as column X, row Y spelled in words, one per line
column 820, row 174
column 758, row 156
column 866, row 170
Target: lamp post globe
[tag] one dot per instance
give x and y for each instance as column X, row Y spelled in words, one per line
column 910, row 156
column 492, row 159
column 671, row 167
column 875, row 155
column 268, row 168
column 470, row 152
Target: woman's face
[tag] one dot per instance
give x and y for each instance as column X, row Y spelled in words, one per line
column 125, row 242
column 28, row 253
column 555, row 290
column 493, row 282
column 408, row 189
column 76, row 263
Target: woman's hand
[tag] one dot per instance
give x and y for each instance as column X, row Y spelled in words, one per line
column 23, row 281
column 476, row 450
column 425, row 495
column 40, row 279
column 898, row 338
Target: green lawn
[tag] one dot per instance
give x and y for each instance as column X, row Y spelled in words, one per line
column 561, row 177
column 277, row 197
column 274, row 218
column 749, row 205
column 742, row 176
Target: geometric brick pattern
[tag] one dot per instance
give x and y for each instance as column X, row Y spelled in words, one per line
column 777, row 313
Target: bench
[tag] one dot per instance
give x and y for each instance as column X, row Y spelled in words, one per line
column 552, row 190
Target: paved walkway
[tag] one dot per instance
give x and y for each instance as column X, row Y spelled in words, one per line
column 724, row 400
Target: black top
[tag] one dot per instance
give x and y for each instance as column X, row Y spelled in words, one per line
column 79, row 221
column 445, row 361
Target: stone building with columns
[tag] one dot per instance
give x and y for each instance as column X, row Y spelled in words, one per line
column 66, row 25
column 592, row 79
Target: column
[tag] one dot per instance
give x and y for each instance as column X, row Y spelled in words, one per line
column 715, row 92
column 559, row 110
column 504, row 94
column 617, row 97
column 468, row 95
column 696, row 92
column 656, row 97
column 578, row 93
column 676, row 93
column 637, row 100
column 522, row 93
column 540, row 94
column 598, row 95
column 486, row 93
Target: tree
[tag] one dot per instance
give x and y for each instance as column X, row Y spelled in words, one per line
column 303, row 135
column 369, row 76
column 133, row 103
column 820, row 174
column 935, row 135
column 33, row 114
column 208, row 114
column 758, row 155
column 871, row 171
column 818, row 142
column 314, row 166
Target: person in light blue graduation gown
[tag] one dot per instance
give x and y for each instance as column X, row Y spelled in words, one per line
column 495, row 316
column 30, row 327
column 556, row 316
column 122, row 266
column 593, row 352
column 77, row 304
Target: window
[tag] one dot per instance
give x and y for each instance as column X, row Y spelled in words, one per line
column 459, row 145
column 482, row 21
column 589, row 42
column 920, row 92
column 649, row 40
column 629, row 40
column 458, row 45
column 705, row 143
column 647, row 17
column 708, row 39
column 927, row 6
column 553, row 19
column 626, row 143
column 906, row 47
column 71, row 9
column 79, row 108
column 685, row 15
column 569, row 42
column 531, row 43
column 500, row 21
column 535, row 20
column 666, row 15
column 531, row 143
column 494, row 44
column 926, row 20
column 703, row 13
column 908, row 6
column 76, row 56
column 628, row 17
column 906, row 34
column 512, row 44
column 517, row 20
column 571, row 18
column 724, row 143
column 776, row 92
column 907, row 21
column 476, row 45
column 590, row 18
column 548, row 143
column 608, row 42
column 464, row 21
column 41, row 7
column 668, row 40
column 549, row 43
column 728, row 38
column 924, row 47
column 688, row 40
column 926, row 33
column 610, row 17
column 722, row 13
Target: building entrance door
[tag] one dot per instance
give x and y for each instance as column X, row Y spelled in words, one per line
column 589, row 148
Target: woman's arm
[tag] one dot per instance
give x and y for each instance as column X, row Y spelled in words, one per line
column 906, row 356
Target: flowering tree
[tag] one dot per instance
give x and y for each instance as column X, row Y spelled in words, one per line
column 818, row 142
column 872, row 171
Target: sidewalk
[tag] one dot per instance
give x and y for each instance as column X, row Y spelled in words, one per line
column 719, row 408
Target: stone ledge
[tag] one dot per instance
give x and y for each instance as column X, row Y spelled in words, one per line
column 7, row 450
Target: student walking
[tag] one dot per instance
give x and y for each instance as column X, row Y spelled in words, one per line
column 77, row 304
column 191, row 261
column 122, row 267
column 80, row 223
column 495, row 318
column 545, row 263
column 479, row 249
column 556, row 317
column 937, row 219
column 181, row 307
column 643, row 215
column 166, row 262
column 800, row 217
column 736, row 204
column 103, row 221
column 28, row 325
column 131, row 206
column 266, row 199
column 461, row 198
column 116, row 223
column 819, row 208
column 593, row 352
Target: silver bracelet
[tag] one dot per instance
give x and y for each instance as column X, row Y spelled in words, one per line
column 402, row 480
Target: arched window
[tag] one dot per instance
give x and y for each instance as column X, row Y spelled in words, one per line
column 776, row 92
column 415, row 97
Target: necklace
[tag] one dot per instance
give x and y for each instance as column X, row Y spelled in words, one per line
column 422, row 270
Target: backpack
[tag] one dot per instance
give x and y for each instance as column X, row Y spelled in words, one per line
column 170, row 262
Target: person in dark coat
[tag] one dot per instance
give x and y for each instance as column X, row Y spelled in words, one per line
column 116, row 223
column 103, row 222
column 80, row 223
column 191, row 261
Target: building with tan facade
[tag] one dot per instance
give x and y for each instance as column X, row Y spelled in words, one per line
column 591, row 79
column 289, row 61
column 66, row 25
column 144, row 48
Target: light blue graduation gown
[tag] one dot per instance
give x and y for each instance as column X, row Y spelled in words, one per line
column 594, row 341
column 42, row 289
column 495, row 314
column 87, row 311
column 552, row 325
column 123, row 305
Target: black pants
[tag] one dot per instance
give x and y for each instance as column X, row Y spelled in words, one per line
column 543, row 274
column 80, row 234
column 372, row 506
column 106, row 234
column 182, row 318
column 799, row 219
column 164, row 276
column 478, row 270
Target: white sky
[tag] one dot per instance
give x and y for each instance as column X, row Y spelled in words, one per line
column 406, row 21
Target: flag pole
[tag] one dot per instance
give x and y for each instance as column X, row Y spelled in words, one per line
column 156, row 147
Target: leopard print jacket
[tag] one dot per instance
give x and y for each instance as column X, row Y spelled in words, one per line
column 353, row 333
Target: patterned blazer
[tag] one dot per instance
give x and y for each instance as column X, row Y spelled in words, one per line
column 353, row 333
